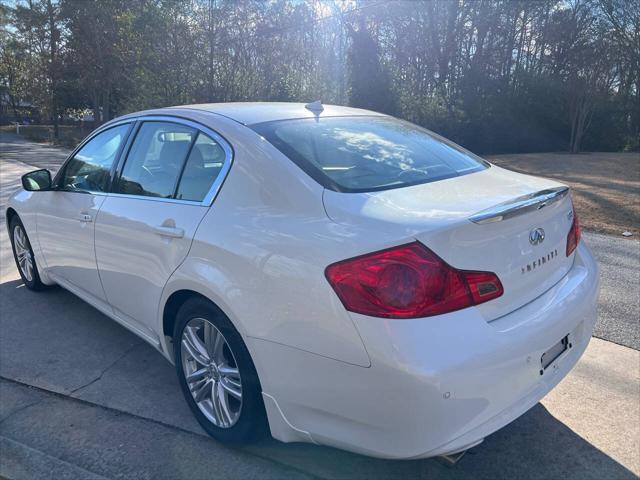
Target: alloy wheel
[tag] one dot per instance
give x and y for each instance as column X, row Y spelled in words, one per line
column 23, row 252
column 211, row 372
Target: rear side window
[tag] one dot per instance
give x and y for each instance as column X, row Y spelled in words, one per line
column 203, row 166
column 155, row 160
column 362, row 154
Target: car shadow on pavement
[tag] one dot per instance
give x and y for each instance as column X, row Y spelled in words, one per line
column 55, row 341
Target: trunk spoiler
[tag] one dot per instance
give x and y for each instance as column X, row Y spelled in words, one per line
column 520, row 205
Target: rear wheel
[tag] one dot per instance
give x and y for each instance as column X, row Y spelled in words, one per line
column 23, row 255
column 217, row 375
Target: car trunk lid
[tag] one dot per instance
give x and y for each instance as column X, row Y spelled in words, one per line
column 498, row 221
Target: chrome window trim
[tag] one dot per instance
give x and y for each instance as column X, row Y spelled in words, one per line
column 158, row 199
column 520, row 205
column 217, row 183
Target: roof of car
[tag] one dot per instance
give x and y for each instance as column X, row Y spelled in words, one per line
column 249, row 113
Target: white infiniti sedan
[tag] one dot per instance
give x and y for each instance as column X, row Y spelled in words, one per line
column 325, row 274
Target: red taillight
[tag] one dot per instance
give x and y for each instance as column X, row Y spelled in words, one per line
column 409, row 281
column 573, row 238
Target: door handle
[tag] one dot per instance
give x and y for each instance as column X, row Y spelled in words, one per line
column 85, row 217
column 171, row 232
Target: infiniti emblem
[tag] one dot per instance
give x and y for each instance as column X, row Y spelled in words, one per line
column 536, row 236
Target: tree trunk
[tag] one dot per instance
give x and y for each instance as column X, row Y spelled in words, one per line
column 95, row 103
column 53, row 75
column 212, row 42
column 580, row 112
column 106, row 105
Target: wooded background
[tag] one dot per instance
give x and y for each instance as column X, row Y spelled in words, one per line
column 494, row 76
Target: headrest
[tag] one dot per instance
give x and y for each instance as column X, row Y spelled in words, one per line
column 173, row 152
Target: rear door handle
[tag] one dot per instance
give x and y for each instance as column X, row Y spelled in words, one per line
column 171, row 232
column 85, row 217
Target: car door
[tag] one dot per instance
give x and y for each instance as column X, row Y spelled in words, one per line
column 65, row 219
column 146, row 224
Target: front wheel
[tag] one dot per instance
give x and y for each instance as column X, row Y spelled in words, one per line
column 23, row 255
column 217, row 375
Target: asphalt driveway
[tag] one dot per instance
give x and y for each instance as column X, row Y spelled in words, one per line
column 81, row 397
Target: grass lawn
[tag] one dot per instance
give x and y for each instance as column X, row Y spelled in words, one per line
column 606, row 186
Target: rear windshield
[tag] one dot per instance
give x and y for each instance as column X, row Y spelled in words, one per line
column 364, row 154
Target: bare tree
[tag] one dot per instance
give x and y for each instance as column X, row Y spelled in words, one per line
column 495, row 75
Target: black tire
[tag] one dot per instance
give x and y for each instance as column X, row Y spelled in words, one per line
column 35, row 283
column 252, row 424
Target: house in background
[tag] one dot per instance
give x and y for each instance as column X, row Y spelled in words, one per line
column 17, row 110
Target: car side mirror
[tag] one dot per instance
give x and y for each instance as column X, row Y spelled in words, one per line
column 37, row 181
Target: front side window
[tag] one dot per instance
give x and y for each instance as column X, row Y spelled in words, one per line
column 361, row 154
column 156, row 158
column 90, row 168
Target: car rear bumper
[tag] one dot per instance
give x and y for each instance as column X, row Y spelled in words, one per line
column 436, row 385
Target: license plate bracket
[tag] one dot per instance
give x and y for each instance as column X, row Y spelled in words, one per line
column 554, row 352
